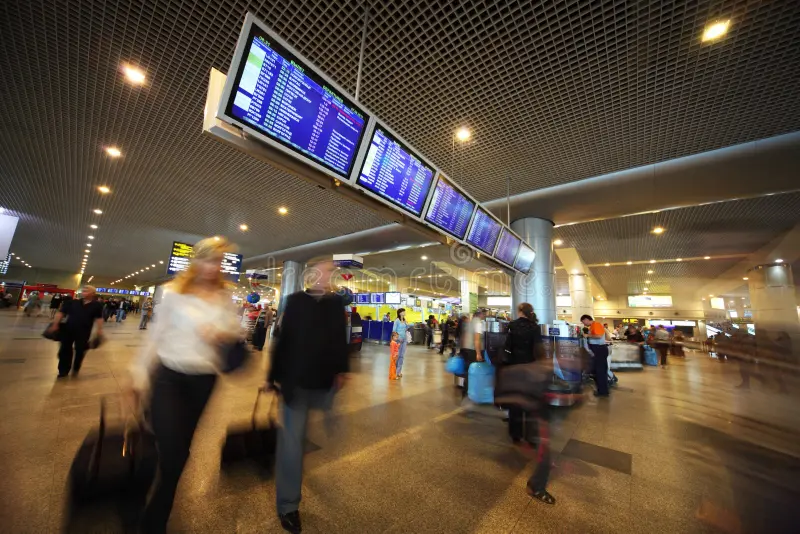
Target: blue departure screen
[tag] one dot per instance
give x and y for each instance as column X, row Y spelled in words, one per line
column 484, row 231
column 507, row 247
column 284, row 99
column 449, row 209
column 362, row 298
column 524, row 258
column 392, row 171
column 377, row 298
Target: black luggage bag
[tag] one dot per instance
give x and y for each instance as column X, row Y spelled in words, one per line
column 253, row 441
column 113, row 462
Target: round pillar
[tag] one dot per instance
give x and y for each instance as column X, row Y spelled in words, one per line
column 536, row 287
column 581, row 295
column 773, row 299
column 291, row 282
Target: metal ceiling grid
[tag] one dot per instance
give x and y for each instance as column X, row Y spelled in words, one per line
column 554, row 92
column 718, row 229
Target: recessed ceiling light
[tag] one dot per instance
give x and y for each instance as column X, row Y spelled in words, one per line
column 91, row 237
column 649, row 272
column 744, row 298
column 648, row 282
column 779, row 260
column 133, row 75
column 104, row 189
column 707, row 257
column 283, row 211
column 243, row 227
column 703, row 298
column 712, row 296
column 715, row 30
column 658, row 230
column 630, row 263
column 558, row 242
column 424, row 257
column 745, row 278
column 608, row 264
column 113, row 151
column 161, row 262
column 152, row 265
column 463, row 134
column 88, row 244
column 652, row 261
column 93, row 226
column 646, row 289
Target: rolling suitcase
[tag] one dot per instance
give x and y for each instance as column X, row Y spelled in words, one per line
column 252, row 441
column 112, row 462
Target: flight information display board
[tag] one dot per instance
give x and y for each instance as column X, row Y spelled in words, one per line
column 362, row 298
column 377, row 298
column 449, row 210
column 484, row 231
column 507, row 247
column 524, row 259
column 393, row 172
column 180, row 257
column 182, row 254
column 284, row 100
column 393, row 298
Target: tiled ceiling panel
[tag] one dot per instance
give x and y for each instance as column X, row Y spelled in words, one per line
column 719, row 229
column 554, row 92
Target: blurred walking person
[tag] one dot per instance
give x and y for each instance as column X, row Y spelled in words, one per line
column 81, row 315
column 147, row 313
column 55, row 304
column 595, row 336
column 307, row 369
column 663, row 343
column 181, row 360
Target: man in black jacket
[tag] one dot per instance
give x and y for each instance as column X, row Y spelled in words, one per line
column 309, row 362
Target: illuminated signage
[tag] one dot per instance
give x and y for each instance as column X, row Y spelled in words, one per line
column 498, row 301
column 649, row 301
column 362, row 298
column 393, row 298
column 182, row 254
column 718, row 303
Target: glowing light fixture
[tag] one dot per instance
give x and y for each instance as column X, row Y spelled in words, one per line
column 715, row 30
column 658, row 230
column 283, row 211
column 558, row 242
column 93, row 226
column 652, row 261
column 104, row 189
column 243, row 227
column 463, row 134
column 608, row 265
column 679, row 259
column 707, row 257
column 91, row 237
column 98, row 212
column 133, row 75
column 424, row 257
column 779, row 260
column 113, row 151
column 630, row 263
column 745, row 278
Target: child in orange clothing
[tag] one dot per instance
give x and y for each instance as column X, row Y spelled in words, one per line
column 394, row 351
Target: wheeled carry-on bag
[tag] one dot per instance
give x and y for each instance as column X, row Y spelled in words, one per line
column 253, row 441
column 112, row 462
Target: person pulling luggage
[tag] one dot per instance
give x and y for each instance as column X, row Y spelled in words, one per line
column 178, row 367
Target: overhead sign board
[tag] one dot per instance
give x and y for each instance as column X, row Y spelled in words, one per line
column 450, row 209
column 395, row 173
column 649, row 301
column 525, row 257
column 281, row 98
column 507, row 247
column 362, row 298
column 182, row 254
column 484, row 231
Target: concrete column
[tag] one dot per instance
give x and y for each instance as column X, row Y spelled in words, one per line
column 537, row 287
column 773, row 299
column 291, row 282
column 581, row 293
column 469, row 294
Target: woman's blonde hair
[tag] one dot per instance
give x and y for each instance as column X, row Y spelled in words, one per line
column 207, row 248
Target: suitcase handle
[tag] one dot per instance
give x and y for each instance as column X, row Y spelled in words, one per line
column 261, row 391
column 94, row 461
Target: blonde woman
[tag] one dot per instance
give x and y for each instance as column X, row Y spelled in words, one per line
column 179, row 366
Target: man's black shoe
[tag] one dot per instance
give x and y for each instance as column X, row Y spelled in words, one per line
column 596, row 394
column 291, row 522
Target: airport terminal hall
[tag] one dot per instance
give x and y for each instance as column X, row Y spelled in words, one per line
column 399, row 266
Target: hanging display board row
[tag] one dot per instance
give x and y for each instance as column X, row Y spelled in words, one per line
column 280, row 99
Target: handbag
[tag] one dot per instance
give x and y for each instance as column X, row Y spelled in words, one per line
column 55, row 335
column 234, row 356
column 409, row 338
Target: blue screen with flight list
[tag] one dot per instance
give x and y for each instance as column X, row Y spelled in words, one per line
column 484, row 231
column 507, row 247
column 282, row 98
column 393, row 172
column 362, row 298
column 449, row 209
column 524, row 259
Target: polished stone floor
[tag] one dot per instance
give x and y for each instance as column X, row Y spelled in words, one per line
column 673, row 450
